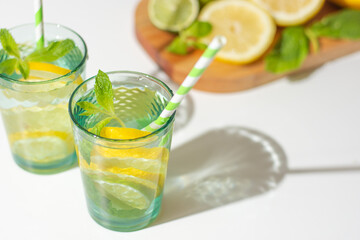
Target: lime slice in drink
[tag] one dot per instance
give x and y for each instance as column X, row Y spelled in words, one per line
column 173, row 15
column 126, row 194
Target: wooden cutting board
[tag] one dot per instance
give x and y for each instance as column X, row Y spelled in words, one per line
column 220, row 76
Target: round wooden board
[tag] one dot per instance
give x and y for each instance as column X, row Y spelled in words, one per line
column 220, row 76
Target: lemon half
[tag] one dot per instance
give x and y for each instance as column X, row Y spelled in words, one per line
column 291, row 12
column 249, row 29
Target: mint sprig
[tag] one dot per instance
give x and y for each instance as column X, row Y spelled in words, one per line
column 289, row 52
column 9, row 44
column 51, row 53
column 105, row 98
column 188, row 39
column 8, row 66
column 293, row 46
column 342, row 25
column 54, row 51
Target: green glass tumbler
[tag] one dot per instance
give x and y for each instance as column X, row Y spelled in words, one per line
column 34, row 110
column 123, row 178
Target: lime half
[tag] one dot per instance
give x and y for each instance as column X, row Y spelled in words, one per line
column 174, row 15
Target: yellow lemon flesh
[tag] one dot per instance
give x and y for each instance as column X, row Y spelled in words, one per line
column 145, row 166
column 122, row 133
column 347, row 3
column 249, row 29
column 291, row 12
column 41, row 71
column 42, row 132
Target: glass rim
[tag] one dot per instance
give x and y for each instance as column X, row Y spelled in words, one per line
column 114, row 140
column 72, row 71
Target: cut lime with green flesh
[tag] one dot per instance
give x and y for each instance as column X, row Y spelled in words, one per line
column 174, row 15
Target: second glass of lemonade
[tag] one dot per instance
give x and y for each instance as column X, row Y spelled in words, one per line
column 34, row 110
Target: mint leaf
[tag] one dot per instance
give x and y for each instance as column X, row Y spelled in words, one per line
column 199, row 45
column 178, row 46
column 344, row 24
column 103, row 91
column 188, row 39
column 8, row 66
column 97, row 128
column 204, row 2
column 104, row 96
column 85, row 147
column 54, row 51
column 289, row 52
column 89, row 108
column 24, row 68
column 8, row 43
column 198, row 29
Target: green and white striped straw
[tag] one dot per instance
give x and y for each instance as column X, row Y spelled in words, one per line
column 39, row 24
column 191, row 79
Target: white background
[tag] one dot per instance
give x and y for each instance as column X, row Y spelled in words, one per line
column 280, row 161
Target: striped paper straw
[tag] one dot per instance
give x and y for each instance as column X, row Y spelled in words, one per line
column 191, row 79
column 39, row 24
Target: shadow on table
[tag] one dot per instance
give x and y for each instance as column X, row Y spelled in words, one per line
column 324, row 170
column 185, row 110
column 220, row 167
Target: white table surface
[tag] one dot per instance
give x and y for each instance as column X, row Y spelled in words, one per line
column 280, row 161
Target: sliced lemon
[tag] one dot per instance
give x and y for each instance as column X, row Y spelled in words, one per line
column 127, row 194
column 144, row 167
column 48, row 67
column 122, row 133
column 347, row 3
column 25, row 135
column 174, row 15
column 41, row 71
column 110, row 177
column 249, row 30
column 143, row 164
column 291, row 12
column 41, row 146
column 160, row 153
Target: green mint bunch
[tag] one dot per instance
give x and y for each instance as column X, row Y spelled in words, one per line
column 188, row 39
column 105, row 99
column 293, row 46
column 54, row 51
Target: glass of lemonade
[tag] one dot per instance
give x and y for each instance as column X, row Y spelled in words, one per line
column 123, row 169
column 34, row 111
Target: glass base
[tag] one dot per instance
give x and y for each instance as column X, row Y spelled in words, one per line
column 124, row 224
column 47, row 168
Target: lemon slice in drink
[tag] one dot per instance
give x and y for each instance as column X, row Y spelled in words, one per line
column 41, row 147
column 249, row 30
column 173, row 15
column 122, row 133
column 291, row 12
column 40, row 71
column 127, row 194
